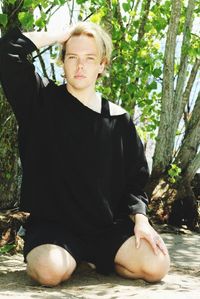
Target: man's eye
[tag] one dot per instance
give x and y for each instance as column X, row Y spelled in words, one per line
column 72, row 57
column 91, row 58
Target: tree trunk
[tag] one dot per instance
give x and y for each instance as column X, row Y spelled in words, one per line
column 165, row 142
column 9, row 161
column 182, row 74
column 191, row 140
column 12, row 12
column 10, row 170
column 174, row 204
column 184, row 210
column 188, row 89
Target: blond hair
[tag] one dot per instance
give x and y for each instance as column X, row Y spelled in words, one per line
column 102, row 39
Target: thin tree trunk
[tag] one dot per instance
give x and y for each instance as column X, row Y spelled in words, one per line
column 191, row 140
column 187, row 92
column 164, row 144
column 182, row 75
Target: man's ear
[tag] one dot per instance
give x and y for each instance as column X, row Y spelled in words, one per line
column 102, row 66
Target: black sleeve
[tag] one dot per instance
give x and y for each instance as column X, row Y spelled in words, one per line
column 20, row 83
column 137, row 172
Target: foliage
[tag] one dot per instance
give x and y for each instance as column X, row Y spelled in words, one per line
column 174, row 173
column 7, row 248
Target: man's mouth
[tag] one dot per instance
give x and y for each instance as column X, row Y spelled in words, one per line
column 80, row 76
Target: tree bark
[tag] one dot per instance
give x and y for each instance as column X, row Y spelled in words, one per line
column 177, row 203
column 141, row 30
column 12, row 12
column 10, row 170
column 191, row 140
column 184, row 209
column 164, row 145
column 178, row 107
column 193, row 167
column 187, row 92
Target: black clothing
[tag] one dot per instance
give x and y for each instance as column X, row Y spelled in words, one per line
column 81, row 168
column 99, row 249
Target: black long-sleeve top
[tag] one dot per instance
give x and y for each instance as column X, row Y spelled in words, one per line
column 80, row 167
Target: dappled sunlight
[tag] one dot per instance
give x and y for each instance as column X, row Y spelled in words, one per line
column 181, row 282
column 184, row 250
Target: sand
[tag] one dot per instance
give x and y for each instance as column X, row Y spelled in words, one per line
column 183, row 280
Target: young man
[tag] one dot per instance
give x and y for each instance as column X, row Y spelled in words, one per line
column 83, row 164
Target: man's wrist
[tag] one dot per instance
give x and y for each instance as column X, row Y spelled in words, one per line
column 138, row 218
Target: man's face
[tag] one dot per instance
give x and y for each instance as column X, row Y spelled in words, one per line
column 82, row 62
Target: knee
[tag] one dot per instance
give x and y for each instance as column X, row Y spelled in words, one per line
column 47, row 276
column 155, row 271
column 50, row 265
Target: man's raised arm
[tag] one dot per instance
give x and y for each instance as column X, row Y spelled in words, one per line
column 43, row 39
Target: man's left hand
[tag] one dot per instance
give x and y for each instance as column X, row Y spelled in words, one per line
column 143, row 230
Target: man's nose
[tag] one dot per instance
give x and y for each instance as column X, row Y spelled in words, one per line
column 80, row 63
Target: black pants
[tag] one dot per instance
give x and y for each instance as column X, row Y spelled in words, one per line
column 99, row 249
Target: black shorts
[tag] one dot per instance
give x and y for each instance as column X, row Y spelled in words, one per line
column 99, row 249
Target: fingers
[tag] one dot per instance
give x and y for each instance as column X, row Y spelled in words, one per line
column 147, row 232
column 158, row 243
column 137, row 241
column 155, row 241
column 162, row 246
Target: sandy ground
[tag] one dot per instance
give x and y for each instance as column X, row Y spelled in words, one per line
column 181, row 282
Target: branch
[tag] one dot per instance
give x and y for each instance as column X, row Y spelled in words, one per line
column 141, row 30
column 53, row 68
column 183, row 62
column 16, row 9
column 196, row 35
column 119, row 15
column 86, row 18
column 195, row 119
column 71, row 10
column 141, row 33
column 136, row 5
column 130, row 17
column 49, row 9
column 52, row 12
column 187, row 92
column 42, row 63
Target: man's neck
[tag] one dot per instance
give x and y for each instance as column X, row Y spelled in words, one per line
column 87, row 97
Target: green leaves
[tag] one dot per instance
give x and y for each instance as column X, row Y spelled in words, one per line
column 26, row 20
column 11, row 1
column 7, row 248
column 152, row 85
column 41, row 22
column 174, row 173
column 28, row 3
column 3, row 19
column 126, row 6
column 157, row 72
column 81, row 1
